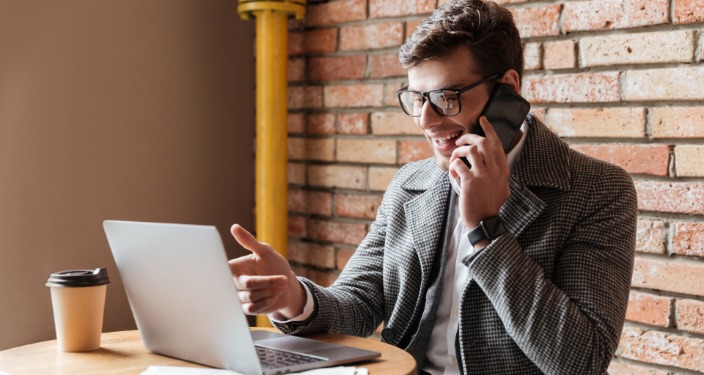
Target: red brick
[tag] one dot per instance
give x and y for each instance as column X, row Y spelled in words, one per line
column 386, row 65
column 412, row 24
column 357, row 206
column 313, row 41
column 343, row 256
column 649, row 309
column 532, row 56
column 296, row 69
column 559, row 55
column 677, row 197
column 640, row 48
column 376, row 151
column 661, row 348
column 360, row 95
column 652, row 159
column 312, row 254
column 572, row 88
column 394, row 123
column 297, row 226
column 380, row 177
column 414, row 150
column 321, row 123
column 337, row 67
column 614, row 14
column 322, row 149
column 678, row 122
column 690, row 315
column 672, row 275
column 310, row 202
column 305, row 97
column 688, row 239
column 688, row 11
column 296, row 173
column 296, row 149
column 537, row 21
column 390, row 99
column 682, row 83
column 620, row 368
column 337, row 176
column 335, row 12
column 322, row 278
column 597, row 122
column 295, row 123
column 650, row 236
column 371, row 36
column 338, row 232
column 395, row 8
column 353, row 123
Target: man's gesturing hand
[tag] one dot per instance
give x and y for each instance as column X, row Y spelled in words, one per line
column 264, row 278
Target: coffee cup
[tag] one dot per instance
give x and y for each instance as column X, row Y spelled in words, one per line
column 78, row 301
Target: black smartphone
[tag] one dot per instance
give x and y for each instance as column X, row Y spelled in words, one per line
column 506, row 111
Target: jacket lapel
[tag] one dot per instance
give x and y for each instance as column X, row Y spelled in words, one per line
column 531, row 171
column 426, row 213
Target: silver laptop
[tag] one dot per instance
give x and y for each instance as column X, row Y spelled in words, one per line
column 185, row 303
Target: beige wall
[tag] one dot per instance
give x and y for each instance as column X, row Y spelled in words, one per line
column 135, row 110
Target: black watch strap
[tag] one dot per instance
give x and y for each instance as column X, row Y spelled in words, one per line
column 488, row 229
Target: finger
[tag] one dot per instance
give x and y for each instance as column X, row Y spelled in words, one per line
column 242, row 265
column 248, row 282
column 254, row 296
column 496, row 149
column 248, row 241
column 475, row 158
column 260, row 307
column 458, row 169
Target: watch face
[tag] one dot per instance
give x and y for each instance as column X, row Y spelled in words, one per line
column 493, row 227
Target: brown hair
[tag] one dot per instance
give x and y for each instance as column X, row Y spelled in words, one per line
column 484, row 27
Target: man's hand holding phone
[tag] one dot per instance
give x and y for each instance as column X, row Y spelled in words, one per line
column 484, row 186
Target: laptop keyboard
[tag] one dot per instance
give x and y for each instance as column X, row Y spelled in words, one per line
column 274, row 358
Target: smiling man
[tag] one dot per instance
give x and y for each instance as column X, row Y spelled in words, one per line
column 516, row 261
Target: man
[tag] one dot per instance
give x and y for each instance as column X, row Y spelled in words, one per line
column 519, row 264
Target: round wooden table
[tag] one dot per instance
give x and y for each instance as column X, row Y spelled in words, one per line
column 123, row 353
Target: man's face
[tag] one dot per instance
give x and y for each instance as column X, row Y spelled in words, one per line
column 452, row 71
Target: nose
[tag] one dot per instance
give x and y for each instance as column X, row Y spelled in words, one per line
column 428, row 117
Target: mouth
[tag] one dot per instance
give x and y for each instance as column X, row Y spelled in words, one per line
column 447, row 141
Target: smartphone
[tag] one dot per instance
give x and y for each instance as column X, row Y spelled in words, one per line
column 506, row 111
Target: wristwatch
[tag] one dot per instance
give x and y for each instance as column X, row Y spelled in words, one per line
column 488, row 229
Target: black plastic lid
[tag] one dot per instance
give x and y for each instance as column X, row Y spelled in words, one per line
column 78, row 278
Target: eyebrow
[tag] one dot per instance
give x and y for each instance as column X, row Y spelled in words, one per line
column 455, row 86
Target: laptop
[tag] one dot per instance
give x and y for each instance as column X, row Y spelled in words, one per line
column 185, row 303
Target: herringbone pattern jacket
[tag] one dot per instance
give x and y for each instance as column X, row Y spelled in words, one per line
column 549, row 297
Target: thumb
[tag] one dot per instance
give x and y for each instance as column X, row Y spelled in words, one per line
column 247, row 240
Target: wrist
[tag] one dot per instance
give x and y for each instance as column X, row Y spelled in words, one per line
column 296, row 300
column 488, row 229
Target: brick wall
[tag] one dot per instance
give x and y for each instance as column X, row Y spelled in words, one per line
column 620, row 80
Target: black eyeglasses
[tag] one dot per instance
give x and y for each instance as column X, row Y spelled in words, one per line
column 445, row 102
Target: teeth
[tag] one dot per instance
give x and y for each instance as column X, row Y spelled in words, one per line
column 448, row 137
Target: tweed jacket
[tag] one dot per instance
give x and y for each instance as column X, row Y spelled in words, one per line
column 548, row 297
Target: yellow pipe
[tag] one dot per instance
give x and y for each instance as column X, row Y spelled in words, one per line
column 271, row 182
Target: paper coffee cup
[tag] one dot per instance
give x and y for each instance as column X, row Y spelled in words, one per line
column 78, row 301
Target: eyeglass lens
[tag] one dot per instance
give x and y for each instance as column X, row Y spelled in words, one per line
column 444, row 102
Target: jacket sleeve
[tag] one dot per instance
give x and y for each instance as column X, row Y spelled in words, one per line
column 569, row 322
column 354, row 304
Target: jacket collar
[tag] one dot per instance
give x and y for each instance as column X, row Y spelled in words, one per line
column 544, row 161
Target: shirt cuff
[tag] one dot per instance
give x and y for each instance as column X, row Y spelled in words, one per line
column 307, row 310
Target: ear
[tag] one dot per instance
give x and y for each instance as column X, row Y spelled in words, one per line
column 511, row 78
